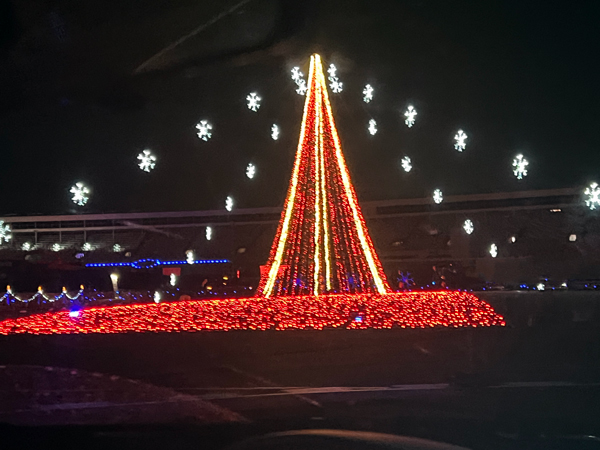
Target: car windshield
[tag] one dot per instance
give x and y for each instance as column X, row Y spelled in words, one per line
column 244, row 217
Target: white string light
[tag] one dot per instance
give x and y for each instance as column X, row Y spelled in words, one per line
column 460, row 140
column 406, row 164
column 5, row 232
column 438, row 196
column 410, row 115
column 592, row 194
column 147, row 160
column 274, row 132
column 520, row 167
column 372, row 127
column 208, row 233
column 253, row 101
column 81, row 194
column 493, row 250
column 229, row 204
column 468, row 226
column 250, row 171
column 204, row 132
column 367, row 93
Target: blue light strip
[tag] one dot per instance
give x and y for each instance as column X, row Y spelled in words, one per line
column 151, row 263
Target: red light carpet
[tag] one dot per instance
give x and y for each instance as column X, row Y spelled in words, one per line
column 352, row 311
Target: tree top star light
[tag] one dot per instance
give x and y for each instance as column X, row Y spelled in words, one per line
column 460, row 140
column 519, row 165
column 410, row 115
column 592, row 194
column 81, row 194
column 367, row 93
column 204, row 130
column 372, row 127
column 147, row 161
column 253, row 101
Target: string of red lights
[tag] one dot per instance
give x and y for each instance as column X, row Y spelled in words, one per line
column 350, row 311
column 322, row 244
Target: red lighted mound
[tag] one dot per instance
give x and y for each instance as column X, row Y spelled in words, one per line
column 352, row 311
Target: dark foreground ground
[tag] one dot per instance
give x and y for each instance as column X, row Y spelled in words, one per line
column 532, row 384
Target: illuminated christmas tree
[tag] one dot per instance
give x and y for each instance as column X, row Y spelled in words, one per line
column 322, row 244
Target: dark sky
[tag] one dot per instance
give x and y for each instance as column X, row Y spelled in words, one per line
column 517, row 76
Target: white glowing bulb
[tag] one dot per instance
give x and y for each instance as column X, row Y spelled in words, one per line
column 298, row 78
column 406, row 164
column 204, row 128
column 5, row 232
column 190, row 258
column 116, row 248
column 208, row 233
column 410, row 115
column 513, row 239
column 147, row 161
column 592, row 194
column 372, row 126
column 520, row 167
column 253, row 101
column 274, row 132
column 56, row 247
column 26, row 246
column 460, row 140
column 493, row 250
column 229, row 204
column 86, row 247
column 368, row 93
column 334, row 82
column 438, row 197
column 250, row 171
column 172, row 279
column 80, row 194
column 541, row 287
column 156, row 297
column 468, row 226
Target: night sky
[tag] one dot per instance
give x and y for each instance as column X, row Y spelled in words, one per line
column 517, row 76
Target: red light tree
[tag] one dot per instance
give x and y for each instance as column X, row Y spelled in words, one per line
column 322, row 243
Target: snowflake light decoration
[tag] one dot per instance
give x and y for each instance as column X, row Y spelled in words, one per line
column 26, row 246
column 406, row 279
column 253, row 101
column 519, row 165
column 460, row 140
column 173, row 280
column 204, row 128
column 81, row 194
column 156, row 297
column 250, row 171
column 592, row 194
column 334, row 82
column 368, row 93
column 410, row 115
column 274, row 132
column 86, row 247
column 468, row 226
column 493, row 250
column 117, row 248
column 190, row 258
column 298, row 78
column 147, row 161
column 406, row 164
column 56, row 247
column 5, row 232
column 372, row 127
column 208, row 233
column 229, row 204
column 438, row 197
